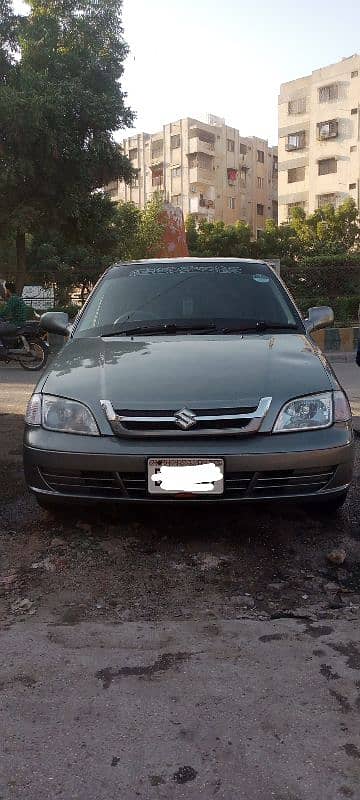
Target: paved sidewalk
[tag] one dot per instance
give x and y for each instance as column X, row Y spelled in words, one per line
column 348, row 374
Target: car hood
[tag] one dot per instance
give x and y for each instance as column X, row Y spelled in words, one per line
column 201, row 371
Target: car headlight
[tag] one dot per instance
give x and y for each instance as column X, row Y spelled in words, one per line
column 313, row 411
column 60, row 414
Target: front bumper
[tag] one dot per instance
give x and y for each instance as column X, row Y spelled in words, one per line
column 67, row 468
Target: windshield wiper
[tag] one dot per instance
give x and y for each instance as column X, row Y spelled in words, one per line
column 261, row 326
column 166, row 327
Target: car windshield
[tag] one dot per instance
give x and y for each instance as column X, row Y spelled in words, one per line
column 187, row 295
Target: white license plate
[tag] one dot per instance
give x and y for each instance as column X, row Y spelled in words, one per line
column 186, row 476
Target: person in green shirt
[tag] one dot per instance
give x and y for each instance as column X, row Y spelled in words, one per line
column 14, row 312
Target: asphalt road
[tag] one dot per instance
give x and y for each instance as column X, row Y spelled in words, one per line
column 210, row 654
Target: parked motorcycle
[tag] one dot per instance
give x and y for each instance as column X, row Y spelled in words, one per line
column 27, row 345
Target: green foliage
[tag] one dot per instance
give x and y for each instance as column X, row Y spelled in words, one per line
column 64, row 93
column 345, row 307
column 327, row 234
column 79, row 249
column 217, row 239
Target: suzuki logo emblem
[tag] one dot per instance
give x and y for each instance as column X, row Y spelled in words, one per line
column 185, row 419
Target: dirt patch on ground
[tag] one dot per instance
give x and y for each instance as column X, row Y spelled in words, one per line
column 138, row 564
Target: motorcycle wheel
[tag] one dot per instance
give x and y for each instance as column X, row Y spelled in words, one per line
column 38, row 358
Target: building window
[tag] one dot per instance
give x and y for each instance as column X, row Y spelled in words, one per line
column 157, row 150
column 353, row 148
column 327, row 165
column 231, row 202
column 297, row 204
column 295, row 141
column 260, row 210
column 327, row 200
column 355, row 73
column 230, row 144
column 205, row 162
column 260, row 183
column 175, row 141
column 243, row 149
column 157, row 178
column 232, row 176
column 176, row 172
column 135, row 181
column 243, row 174
column 328, row 129
column 133, row 154
column 327, row 94
column 352, row 186
column 275, row 164
column 296, row 174
column 176, row 199
column 261, row 156
column 354, row 111
column 297, row 106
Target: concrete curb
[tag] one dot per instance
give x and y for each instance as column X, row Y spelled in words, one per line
column 343, row 340
column 345, row 358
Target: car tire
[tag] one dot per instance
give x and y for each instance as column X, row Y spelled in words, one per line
column 327, row 507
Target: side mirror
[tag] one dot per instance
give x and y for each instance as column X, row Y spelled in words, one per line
column 55, row 322
column 319, row 317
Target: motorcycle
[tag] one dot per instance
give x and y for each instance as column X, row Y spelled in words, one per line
column 26, row 344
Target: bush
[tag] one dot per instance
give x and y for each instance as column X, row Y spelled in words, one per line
column 71, row 310
column 345, row 307
column 328, row 280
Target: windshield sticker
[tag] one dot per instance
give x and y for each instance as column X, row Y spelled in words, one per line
column 261, row 278
column 186, row 269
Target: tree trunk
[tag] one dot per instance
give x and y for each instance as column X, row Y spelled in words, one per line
column 20, row 261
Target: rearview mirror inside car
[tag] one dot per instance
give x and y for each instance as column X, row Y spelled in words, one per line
column 319, row 317
column 55, row 322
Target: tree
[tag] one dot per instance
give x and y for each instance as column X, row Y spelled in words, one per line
column 328, row 231
column 219, row 239
column 77, row 251
column 60, row 101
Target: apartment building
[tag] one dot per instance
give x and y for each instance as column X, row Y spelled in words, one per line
column 319, row 147
column 207, row 169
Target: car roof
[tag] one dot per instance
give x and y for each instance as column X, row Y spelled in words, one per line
column 185, row 259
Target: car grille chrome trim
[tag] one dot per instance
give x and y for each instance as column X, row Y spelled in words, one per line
column 193, row 423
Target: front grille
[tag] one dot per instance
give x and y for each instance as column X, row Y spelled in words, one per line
column 237, row 485
column 170, row 427
column 135, row 484
column 187, row 422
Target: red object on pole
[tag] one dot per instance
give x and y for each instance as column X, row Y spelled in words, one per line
column 174, row 244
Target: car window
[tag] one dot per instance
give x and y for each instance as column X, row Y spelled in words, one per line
column 183, row 292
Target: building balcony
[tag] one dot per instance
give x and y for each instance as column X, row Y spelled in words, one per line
column 157, row 160
column 201, row 175
column 203, row 204
column 197, row 145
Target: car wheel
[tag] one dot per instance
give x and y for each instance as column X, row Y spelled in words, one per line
column 327, row 507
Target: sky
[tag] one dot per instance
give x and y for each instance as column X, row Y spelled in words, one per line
column 228, row 57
